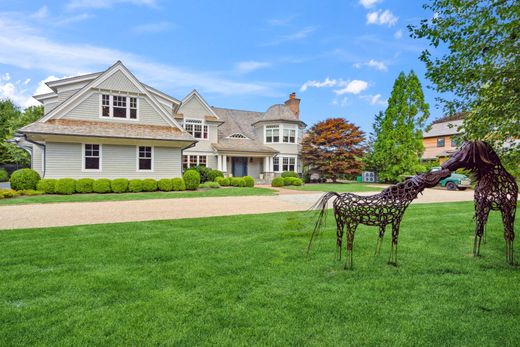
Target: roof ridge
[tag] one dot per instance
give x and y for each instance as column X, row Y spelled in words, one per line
column 235, row 109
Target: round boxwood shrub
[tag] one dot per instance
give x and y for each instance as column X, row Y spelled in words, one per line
column 165, row 184
column 149, row 185
column 66, row 186
column 46, row 185
column 249, row 181
column 191, row 179
column 135, row 186
column 4, row 175
column 213, row 174
column 277, row 182
column 225, row 182
column 119, row 185
column 24, row 179
column 237, row 182
column 297, row 182
column 178, row 184
column 219, row 180
column 101, row 186
column 287, row 181
column 289, row 174
column 84, row 185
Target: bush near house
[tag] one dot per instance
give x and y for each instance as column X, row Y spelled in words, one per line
column 277, row 182
column 165, row 184
column 65, row 186
column 46, row 185
column 84, row 185
column 191, row 179
column 4, row 175
column 249, row 181
column 214, row 174
column 24, row 179
column 292, row 181
column 209, row 185
column 225, row 182
column 119, row 185
column 289, row 174
column 135, row 186
column 8, row 193
column 30, row 192
column 149, row 185
column 101, row 185
column 178, row 184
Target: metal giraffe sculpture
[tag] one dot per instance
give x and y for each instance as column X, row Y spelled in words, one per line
column 496, row 189
column 380, row 210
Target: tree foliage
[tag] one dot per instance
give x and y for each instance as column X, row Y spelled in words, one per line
column 334, row 147
column 398, row 144
column 480, row 68
column 368, row 159
column 13, row 118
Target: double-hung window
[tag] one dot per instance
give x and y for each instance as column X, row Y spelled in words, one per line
column 289, row 164
column 197, row 128
column 276, row 164
column 272, row 133
column 119, row 106
column 289, row 135
column 144, row 158
column 194, row 160
column 440, row 142
column 91, row 157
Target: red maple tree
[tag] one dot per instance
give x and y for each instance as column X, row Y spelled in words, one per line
column 334, row 147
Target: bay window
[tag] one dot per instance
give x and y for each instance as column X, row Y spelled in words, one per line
column 289, row 135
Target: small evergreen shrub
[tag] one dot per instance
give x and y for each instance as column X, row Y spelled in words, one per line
column 225, row 182
column 191, row 179
column 237, row 182
column 203, row 171
column 249, row 181
column 101, row 186
column 8, row 193
column 149, row 185
column 178, row 184
column 4, row 175
column 46, row 185
column 289, row 174
column 213, row 174
column 30, row 192
column 277, row 182
column 209, row 185
column 297, row 182
column 65, row 186
column 165, row 184
column 287, row 181
column 119, row 185
column 135, row 186
column 24, row 179
column 219, row 180
column 84, row 185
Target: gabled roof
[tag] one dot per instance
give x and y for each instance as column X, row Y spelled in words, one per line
column 64, row 81
column 195, row 94
column 444, row 129
column 237, row 121
column 80, row 95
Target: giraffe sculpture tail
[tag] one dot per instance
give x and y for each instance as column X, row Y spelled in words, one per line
column 321, row 207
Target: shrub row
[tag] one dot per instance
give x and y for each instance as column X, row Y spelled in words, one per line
column 246, row 181
column 209, row 185
column 11, row 193
column 286, row 181
column 206, row 174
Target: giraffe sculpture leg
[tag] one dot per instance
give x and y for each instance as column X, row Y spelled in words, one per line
column 508, row 218
column 395, row 236
column 482, row 214
column 351, row 230
column 380, row 239
column 340, row 228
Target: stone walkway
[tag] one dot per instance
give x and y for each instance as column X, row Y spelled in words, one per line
column 77, row 213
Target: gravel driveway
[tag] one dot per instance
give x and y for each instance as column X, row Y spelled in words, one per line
column 77, row 213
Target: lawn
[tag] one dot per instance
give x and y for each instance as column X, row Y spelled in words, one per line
column 246, row 280
column 201, row 193
column 337, row 187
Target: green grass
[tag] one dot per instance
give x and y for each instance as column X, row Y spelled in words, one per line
column 337, row 187
column 245, row 280
column 203, row 193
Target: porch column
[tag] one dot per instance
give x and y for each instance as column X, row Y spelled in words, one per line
column 219, row 162
column 266, row 164
column 271, row 164
column 224, row 163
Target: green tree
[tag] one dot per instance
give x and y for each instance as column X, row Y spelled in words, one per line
column 398, row 146
column 12, row 119
column 475, row 58
column 368, row 159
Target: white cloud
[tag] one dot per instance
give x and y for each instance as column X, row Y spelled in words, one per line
column 352, row 87
column 281, row 21
column 156, row 27
column 317, row 84
column 398, row 34
column 23, row 46
column 378, row 65
column 98, row 4
column 244, row 67
column 299, row 35
column 381, row 17
column 374, row 99
column 369, row 3
column 16, row 91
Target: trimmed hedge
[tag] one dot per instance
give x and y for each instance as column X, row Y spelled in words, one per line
column 84, row 185
column 277, row 182
column 213, row 174
column 24, row 179
column 237, row 182
column 101, row 185
column 65, row 186
column 30, row 192
column 249, row 181
column 191, row 179
column 289, row 174
column 209, row 185
column 4, row 175
column 119, row 185
column 149, row 185
column 165, row 184
column 135, row 186
column 225, row 182
column 178, row 184
column 46, row 185
column 292, row 181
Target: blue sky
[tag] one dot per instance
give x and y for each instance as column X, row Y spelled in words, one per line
column 341, row 57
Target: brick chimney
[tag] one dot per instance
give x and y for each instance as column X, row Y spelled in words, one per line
column 294, row 104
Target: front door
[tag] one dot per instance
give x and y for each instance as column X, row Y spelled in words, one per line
column 239, row 166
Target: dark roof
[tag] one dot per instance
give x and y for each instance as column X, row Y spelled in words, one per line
column 72, row 127
column 242, row 145
column 237, row 121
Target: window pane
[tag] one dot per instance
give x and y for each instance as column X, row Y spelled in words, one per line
column 205, row 135
column 92, row 163
column 276, row 164
column 193, row 160
column 133, row 113
column 119, row 112
column 185, row 161
column 440, row 142
column 145, row 164
column 202, row 160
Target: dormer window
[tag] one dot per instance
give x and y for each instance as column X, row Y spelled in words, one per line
column 119, row 106
column 197, row 128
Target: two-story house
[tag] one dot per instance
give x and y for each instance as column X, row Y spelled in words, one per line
column 439, row 141
column 109, row 124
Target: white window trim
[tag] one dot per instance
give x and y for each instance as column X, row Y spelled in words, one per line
column 137, row 159
column 111, row 112
column 202, row 124
column 83, row 169
column 281, row 128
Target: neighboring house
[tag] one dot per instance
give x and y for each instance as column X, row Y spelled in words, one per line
column 439, row 141
column 110, row 125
